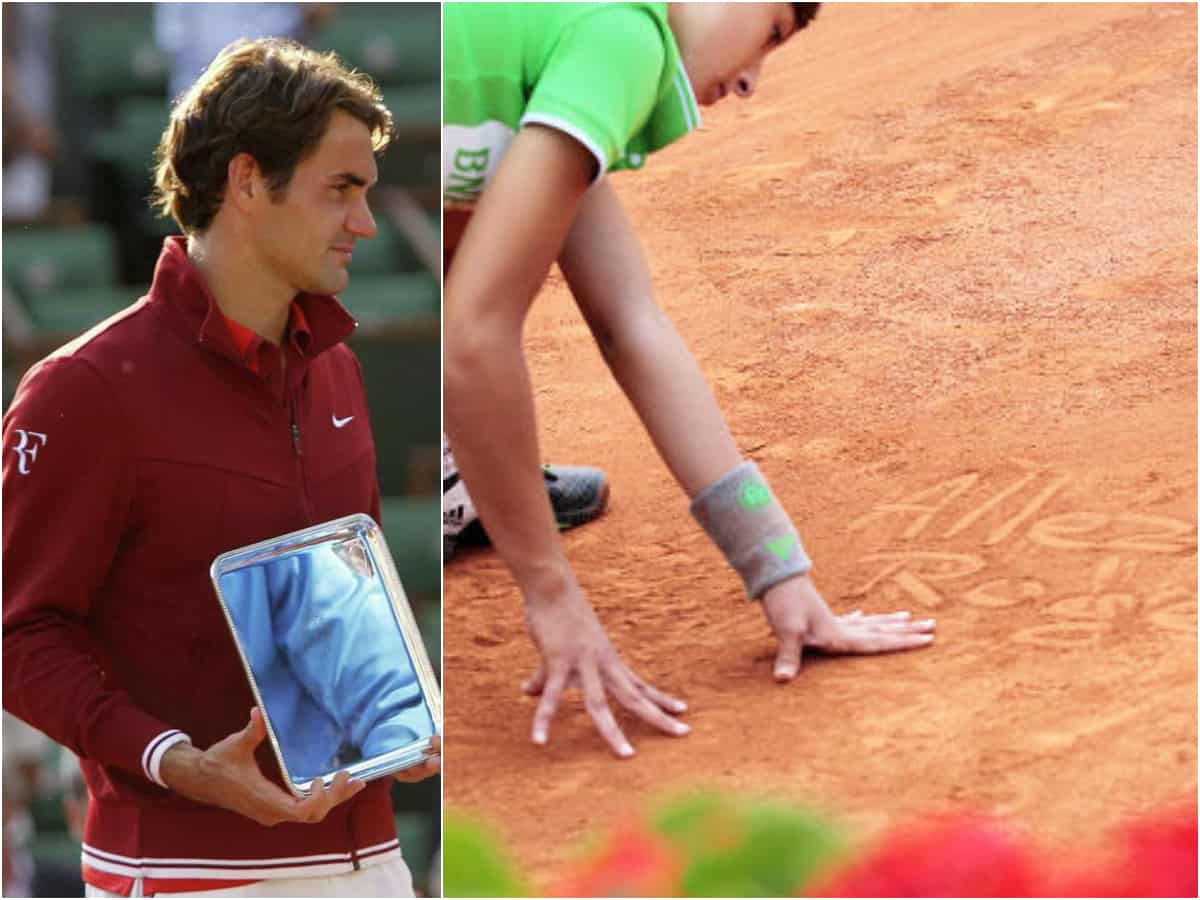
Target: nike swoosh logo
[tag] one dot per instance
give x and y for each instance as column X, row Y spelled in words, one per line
column 342, row 423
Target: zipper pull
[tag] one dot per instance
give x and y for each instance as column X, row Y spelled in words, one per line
column 296, row 437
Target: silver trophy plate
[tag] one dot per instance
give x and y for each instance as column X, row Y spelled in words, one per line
column 332, row 651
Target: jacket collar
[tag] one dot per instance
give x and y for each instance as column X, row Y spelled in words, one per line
column 181, row 292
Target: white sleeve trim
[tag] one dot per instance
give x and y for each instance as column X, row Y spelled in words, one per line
column 574, row 131
column 691, row 108
column 153, row 754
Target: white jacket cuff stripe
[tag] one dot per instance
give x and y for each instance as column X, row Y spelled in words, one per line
column 153, row 754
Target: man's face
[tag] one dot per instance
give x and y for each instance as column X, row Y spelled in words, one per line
column 724, row 44
column 306, row 235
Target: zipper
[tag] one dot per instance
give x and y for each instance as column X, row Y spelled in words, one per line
column 353, row 840
column 296, row 435
column 298, row 448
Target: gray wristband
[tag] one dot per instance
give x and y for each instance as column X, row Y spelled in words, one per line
column 744, row 519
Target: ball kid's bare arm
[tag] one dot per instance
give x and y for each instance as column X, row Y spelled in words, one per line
column 730, row 498
column 507, row 249
column 501, row 261
column 607, row 273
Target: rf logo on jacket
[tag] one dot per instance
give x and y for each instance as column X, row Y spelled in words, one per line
column 27, row 449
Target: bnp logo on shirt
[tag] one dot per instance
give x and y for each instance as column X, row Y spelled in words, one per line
column 469, row 173
column 470, row 154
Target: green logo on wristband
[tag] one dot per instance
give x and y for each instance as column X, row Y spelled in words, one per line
column 755, row 494
column 782, row 547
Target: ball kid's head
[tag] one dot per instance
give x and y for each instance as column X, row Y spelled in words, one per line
column 723, row 45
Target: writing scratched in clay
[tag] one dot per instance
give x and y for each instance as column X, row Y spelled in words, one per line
column 931, row 576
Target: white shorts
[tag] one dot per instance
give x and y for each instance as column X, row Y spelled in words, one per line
column 387, row 879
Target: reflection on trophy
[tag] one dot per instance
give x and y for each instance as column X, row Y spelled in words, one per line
column 332, row 652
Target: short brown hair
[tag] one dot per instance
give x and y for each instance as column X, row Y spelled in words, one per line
column 271, row 98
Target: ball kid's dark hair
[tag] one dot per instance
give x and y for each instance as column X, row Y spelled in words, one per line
column 804, row 13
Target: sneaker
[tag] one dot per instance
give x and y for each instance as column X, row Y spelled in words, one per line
column 577, row 495
column 459, row 517
column 460, row 521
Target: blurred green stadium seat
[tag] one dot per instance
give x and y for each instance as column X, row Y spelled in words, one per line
column 75, row 311
column 129, row 143
column 414, row 159
column 10, row 379
column 416, row 165
column 56, row 845
column 376, row 256
column 389, row 42
column 404, row 388
column 43, row 261
column 109, row 51
column 431, row 633
column 379, row 302
column 125, row 151
column 416, row 831
column 65, row 278
column 416, row 108
column 413, row 528
column 385, row 254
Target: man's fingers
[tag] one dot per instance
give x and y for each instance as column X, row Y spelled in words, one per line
column 271, row 804
column 321, row 800
column 260, row 799
column 252, row 735
column 548, row 705
column 427, row 769
column 596, row 704
column 343, row 788
column 313, row 807
column 787, row 659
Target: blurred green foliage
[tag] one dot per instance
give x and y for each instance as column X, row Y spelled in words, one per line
column 720, row 846
column 473, row 864
column 736, row 847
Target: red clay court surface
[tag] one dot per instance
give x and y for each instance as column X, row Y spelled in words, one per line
column 942, row 274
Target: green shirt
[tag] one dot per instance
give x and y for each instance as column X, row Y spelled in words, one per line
column 608, row 74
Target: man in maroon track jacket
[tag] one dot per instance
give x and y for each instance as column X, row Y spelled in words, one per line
column 219, row 410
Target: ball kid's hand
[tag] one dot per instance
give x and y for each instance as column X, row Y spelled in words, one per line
column 576, row 651
column 800, row 618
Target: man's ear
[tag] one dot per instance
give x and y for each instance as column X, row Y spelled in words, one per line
column 244, row 181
